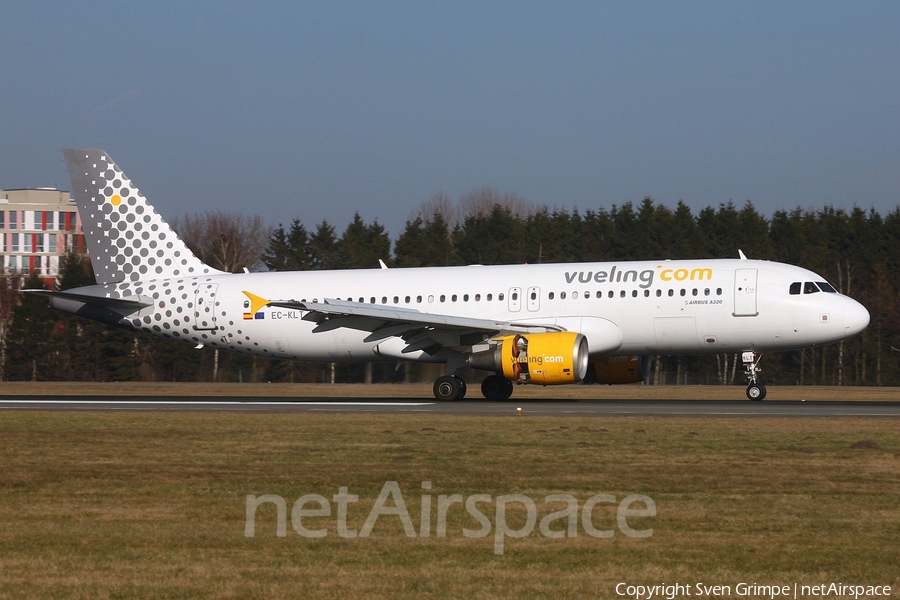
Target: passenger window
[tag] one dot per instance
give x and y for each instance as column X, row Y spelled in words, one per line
column 646, row 293
column 453, row 298
column 550, row 296
column 599, row 294
column 683, row 292
column 826, row 287
column 810, row 288
column 706, row 292
column 430, row 299
column 534, row 295
column 465, row 297
column 718, row 291
column 419, row 299
column 795, row 288
column 490, row 297
column 515, row 296
column 574, row 295
column 443, row 298
column 477, row 297
column 634, row 293
column 372, row 300
column 622, row 294
column 384, row 299
column 671, row 293
column 397, row 300
column 562, row 295
column 694, row 292
column 658, row 293
column 611, row 294
column 500, row 297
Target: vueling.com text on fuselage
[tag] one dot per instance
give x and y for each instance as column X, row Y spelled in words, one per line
column 616, row 275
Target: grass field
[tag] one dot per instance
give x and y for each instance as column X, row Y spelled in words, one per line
column 122, row 505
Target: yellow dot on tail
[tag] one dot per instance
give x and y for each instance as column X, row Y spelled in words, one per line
column 116, row 200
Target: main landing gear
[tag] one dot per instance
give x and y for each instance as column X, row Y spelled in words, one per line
column 495, row 387
column 450, row 388
column 755, row 390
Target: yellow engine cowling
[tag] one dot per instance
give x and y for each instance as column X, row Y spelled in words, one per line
column 538, row 358
column 612, row 370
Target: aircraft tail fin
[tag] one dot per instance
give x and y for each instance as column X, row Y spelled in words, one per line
column 126, row 238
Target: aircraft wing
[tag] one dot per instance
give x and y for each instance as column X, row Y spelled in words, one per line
column 421, row 331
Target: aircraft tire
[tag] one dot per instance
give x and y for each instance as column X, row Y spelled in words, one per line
column 497, row 388
column 449, row 389
column 756, row 391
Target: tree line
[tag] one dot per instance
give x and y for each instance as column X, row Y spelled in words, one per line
column 856, row 250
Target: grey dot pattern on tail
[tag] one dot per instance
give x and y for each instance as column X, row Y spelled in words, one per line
column 127, row 238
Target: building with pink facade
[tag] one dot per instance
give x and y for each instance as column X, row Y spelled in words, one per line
column 37, row 227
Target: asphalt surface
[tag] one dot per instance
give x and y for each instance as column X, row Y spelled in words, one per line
column 686, row 408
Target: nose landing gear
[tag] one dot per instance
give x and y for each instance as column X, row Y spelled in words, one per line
column 755, row 390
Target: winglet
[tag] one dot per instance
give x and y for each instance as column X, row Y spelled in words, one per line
column 381, row 262
column 741, row 253
column 256, row 302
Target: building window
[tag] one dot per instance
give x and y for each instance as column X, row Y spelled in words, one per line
column 2, row 219
column 39, row 239
column 26, row 242
column 61, row 221
column 13, row 217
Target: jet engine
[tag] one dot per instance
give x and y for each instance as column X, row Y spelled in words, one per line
column 611, row 370
column 539, row 358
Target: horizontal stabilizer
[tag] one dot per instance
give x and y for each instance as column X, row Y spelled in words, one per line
column 129, row 303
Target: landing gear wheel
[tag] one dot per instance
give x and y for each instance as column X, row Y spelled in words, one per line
column 495, row 387
column 449, row 389
column 756, row 391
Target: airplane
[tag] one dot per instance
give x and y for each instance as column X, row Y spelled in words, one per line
column 544, row 324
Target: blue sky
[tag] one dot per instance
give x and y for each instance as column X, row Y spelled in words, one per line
column 316, row 110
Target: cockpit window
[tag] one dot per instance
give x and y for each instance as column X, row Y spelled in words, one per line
column 826, row 287
column 795, row 288
column 810, row 288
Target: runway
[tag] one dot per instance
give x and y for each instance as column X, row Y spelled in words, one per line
column 582, row 408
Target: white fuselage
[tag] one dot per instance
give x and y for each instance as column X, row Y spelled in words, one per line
column 623, row 308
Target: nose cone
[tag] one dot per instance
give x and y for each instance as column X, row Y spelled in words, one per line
column 856, row 317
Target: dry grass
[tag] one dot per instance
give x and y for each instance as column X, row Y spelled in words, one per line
column 423, row 390
column 121, row 505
